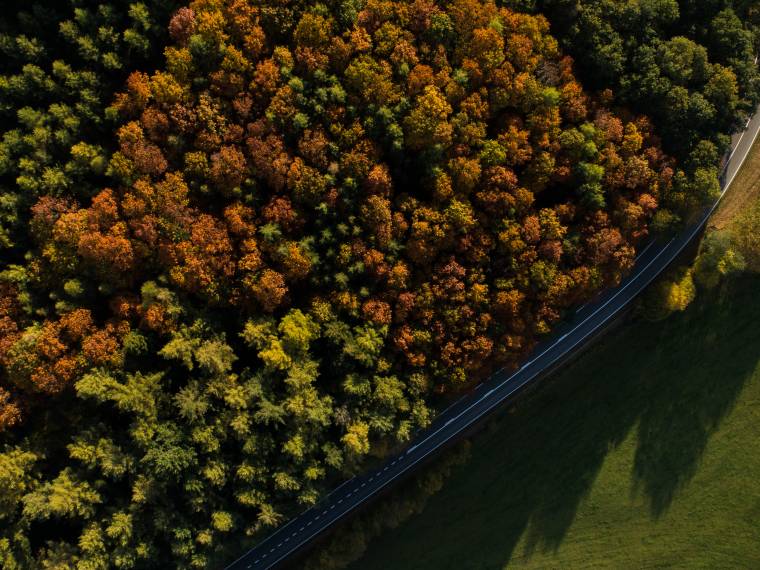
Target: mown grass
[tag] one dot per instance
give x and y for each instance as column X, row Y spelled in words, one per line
column 644, row 453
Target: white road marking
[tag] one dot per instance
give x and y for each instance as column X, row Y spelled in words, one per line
column 642, row 252
column 341, row 486
column 733, row 150
column 741, row 163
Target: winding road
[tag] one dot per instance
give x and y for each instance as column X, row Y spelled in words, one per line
column 500, row 387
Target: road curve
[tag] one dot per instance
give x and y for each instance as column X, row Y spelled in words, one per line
column 652, row 261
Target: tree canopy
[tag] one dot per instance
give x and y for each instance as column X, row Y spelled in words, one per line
column 233, row 273
column 688, row 64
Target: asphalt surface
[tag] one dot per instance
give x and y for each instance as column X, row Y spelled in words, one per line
column 503, row 385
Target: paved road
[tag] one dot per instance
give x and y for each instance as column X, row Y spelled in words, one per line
column 652, row 260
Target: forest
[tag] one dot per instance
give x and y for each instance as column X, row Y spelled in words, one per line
column 248, row 247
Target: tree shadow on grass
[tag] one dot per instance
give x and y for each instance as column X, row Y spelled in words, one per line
column 673, row 382
column 715, row 348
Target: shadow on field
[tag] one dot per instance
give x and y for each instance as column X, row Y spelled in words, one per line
column 684, row 409
column 673, row 382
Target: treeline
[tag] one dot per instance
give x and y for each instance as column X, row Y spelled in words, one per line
column 691, row 66
column 688, row 64
column 225, row 286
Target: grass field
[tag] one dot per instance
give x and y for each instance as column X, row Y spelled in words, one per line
column 645, row 453
column 744, row 191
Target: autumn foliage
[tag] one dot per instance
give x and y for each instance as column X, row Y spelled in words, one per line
column 315, row 220
column 432, row 173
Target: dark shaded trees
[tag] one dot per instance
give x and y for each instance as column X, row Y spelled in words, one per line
column 689, row 65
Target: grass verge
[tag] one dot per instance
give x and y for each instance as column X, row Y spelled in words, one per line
column 745, row 191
